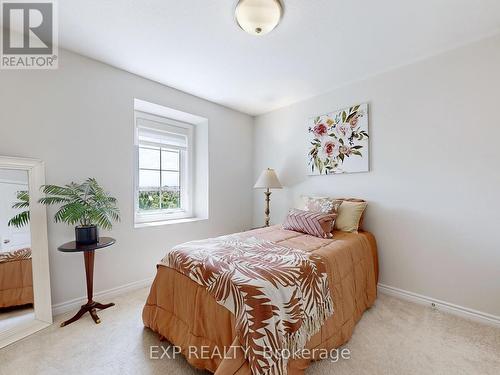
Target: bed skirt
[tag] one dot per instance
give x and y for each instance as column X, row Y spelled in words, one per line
column 16, row 283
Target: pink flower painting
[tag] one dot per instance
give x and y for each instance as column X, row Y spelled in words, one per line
column 339, row 141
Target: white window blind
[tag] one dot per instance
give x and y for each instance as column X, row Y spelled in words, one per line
column 154, row 134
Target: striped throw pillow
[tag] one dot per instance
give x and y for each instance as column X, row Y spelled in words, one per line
column 314, row 223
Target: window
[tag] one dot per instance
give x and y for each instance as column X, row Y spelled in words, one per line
column 163, row 187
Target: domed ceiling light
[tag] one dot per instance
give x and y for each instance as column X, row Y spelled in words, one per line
column 258, row 17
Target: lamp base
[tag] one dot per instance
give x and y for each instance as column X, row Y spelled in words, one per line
column 267, row 211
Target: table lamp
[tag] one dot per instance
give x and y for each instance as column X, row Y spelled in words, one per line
column 268, row 180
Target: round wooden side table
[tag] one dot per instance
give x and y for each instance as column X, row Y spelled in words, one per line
column 88, row 255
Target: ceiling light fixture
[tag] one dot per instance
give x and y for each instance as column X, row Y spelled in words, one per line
column 258, row 17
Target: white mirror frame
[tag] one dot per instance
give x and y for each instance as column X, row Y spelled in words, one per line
column 39, row 251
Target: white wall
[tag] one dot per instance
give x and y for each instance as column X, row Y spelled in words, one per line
column 79, row 120
column 434, row 183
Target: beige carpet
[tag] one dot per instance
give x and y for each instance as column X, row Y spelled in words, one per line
column 394, row 337
column 12, row 317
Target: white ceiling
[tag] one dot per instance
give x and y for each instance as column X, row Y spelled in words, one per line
column 196, row 46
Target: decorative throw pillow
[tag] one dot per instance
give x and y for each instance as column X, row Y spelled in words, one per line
column 360, row 226
column 350, row 215
column 314, row 223
column 321, row 204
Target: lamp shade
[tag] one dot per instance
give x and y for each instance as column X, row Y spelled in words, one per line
column 268, row 180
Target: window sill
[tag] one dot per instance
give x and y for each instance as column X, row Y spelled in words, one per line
column 169, row 222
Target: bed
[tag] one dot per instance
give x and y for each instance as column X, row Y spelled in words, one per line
column 16, row 278
column 187, row 315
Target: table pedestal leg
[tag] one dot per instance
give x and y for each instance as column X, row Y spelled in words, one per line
column 91, row 306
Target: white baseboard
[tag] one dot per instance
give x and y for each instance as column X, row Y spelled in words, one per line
column 75, row 304
column 461, row 311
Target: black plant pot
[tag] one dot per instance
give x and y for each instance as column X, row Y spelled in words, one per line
column 87, row 235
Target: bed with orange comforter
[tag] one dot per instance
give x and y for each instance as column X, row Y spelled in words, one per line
column 16, row 279
column 187, row 315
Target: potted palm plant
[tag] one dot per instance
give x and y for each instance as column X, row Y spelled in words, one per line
column 86, row 204
column 22, row 218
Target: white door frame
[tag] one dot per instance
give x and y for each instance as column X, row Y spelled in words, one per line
column 39, row 251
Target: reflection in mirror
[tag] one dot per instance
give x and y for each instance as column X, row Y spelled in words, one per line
column 16, row 278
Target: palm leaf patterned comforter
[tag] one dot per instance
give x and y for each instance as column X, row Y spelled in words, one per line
column 279, row 295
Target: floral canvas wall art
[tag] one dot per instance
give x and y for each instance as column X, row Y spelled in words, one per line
column 339, row 141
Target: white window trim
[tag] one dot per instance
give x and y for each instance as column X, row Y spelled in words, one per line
column 187, row 172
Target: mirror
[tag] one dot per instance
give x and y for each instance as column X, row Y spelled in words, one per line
column 25, row 305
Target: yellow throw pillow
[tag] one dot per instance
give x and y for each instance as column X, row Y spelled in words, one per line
column 349, row 216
